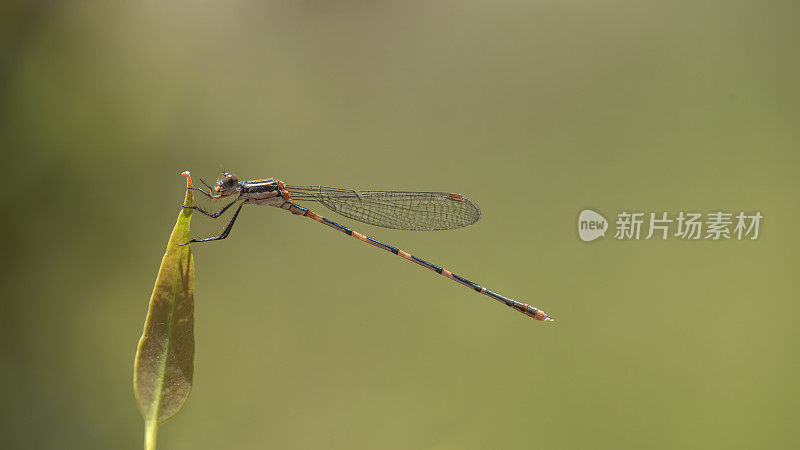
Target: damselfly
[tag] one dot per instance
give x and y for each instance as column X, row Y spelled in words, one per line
column 388, row 209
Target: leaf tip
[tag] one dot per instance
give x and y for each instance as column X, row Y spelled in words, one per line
column 188, row 176
column 189, row 200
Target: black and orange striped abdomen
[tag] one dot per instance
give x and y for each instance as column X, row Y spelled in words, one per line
column 524, row 308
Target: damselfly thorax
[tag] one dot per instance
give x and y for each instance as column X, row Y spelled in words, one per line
column 264, row 192
column 389, row 209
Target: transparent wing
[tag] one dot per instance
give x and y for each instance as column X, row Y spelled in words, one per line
column 421, row 211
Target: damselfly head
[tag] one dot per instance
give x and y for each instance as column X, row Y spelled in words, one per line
column 227, row 184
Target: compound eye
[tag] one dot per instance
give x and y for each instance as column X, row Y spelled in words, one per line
column 230, row 180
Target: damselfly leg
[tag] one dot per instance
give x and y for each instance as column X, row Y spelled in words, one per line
column 207, row 194
column 212, row 215
column 225, row 233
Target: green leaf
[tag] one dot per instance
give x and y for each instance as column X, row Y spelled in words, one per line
column 162, row 376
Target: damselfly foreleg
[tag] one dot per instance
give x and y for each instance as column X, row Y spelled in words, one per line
column 207, row 194
column 212, row 215
column 224, row 234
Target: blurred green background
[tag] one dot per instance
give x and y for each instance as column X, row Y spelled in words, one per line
column 307, row 339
